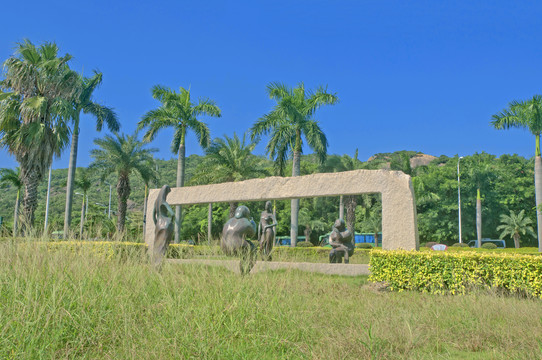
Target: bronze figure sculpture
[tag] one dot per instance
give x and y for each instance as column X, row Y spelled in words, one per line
column 234, row 238
column 340, row 240
column 266, row 232
column 162, row 215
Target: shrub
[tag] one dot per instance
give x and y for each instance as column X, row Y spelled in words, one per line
column 364, row 246
column 457, row 272
column 430, row 243
column 460, row 245
column 489, row 246
column 305, row 244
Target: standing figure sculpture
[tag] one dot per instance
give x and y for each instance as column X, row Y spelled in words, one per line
column 162, row 215
column 340, row 240
column 266, row 232
column 234, row 238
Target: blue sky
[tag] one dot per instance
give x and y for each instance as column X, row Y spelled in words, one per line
column 410, row 75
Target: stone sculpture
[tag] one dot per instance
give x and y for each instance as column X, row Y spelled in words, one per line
column 340, row 240
column 234, row 238
column 162, row 215
column 266, row 232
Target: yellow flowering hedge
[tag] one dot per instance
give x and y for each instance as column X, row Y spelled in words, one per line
column 457, row 273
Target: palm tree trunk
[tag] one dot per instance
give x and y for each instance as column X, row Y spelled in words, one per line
column 538, row 190
column 31, row 179
column 295, row 202
column 479, row 218
column 123, row 192
column 180, row 183
column 376, row 239
column 233, row 206
column 209, row 223
column 351, row 204
column 82, row 224
column 516, row 240
column 16, row 213
column 341, row 207
column 71, row 176
column 145, row 210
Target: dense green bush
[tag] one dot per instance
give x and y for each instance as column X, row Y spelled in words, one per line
column 430, row 244
column 457, row 272
column 489, row 246
column 463, row 245
column 364, row 246
column 305, row 244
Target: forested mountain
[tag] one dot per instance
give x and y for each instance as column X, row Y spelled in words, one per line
column 507, row 184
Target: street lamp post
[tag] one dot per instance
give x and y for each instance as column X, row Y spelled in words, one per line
column 109, row 209
column 459, row 196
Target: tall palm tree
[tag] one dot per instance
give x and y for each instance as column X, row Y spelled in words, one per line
column 481, row 172
column 123, row 155
column 177, row 111
column 103, row 114
column 229, row 160
column 515, row 225
column 83, row 183
column 349, row 164
column 35, row 99
column 12, row 178
column 290, row 120
column 527, row 114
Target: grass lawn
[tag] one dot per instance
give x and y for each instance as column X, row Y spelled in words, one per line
column 65, row 305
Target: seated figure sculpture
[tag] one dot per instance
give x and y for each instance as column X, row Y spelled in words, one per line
column 234, row 238
column 266, row 232
column 163, row 232
column 340, row 240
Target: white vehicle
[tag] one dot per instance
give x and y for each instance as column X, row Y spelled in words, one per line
column 501, row 244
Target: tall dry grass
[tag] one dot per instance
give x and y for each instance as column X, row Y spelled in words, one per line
column 60, row 304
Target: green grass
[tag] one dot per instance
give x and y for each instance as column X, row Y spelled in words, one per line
column 65, row 305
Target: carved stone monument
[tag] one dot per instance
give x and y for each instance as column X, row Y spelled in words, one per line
column 340, row 240
column 266, row 232
column 234, row 238
column 163, row 226
column 399, row 226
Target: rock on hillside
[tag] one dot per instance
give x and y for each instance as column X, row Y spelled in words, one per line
column 421, row 160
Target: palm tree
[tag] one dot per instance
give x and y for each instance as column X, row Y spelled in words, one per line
column 290, row 120
column 229, row 160
column 480, row 171
column 373, row 223
column 515, row 225
column 35, row 99
column 177, row 111
column 84, row 183
column 527, row 114
column 84, row 103
column 348, row 164
column 9, row 177
column 123, row 155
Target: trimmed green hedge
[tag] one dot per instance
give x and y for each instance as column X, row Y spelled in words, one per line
column 457, row 273
column 183, row 251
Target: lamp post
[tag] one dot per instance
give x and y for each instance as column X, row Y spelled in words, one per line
column 109, row 209
column 459, row 196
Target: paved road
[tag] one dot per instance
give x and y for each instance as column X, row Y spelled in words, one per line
column 331, row 269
